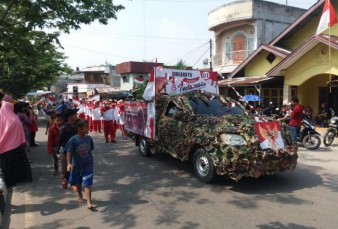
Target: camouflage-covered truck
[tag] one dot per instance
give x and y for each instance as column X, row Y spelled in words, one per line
column 217, row 134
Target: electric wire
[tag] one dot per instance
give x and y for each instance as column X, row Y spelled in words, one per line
column 189, row 52
column 201, row 56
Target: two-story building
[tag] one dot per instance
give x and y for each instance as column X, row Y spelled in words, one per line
column 240, row 27
column 298, row 62
column 133, row 73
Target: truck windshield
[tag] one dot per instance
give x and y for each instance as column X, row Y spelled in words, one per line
column 213, row 107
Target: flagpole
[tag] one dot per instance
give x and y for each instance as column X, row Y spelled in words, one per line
column 330, row 58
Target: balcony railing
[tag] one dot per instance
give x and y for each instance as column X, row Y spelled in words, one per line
column 233, row 57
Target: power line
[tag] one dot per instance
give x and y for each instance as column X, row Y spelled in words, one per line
column 189, row 52
column 201, row 56
column 98, row 52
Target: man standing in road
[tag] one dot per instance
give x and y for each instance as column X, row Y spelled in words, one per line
column 296, row 119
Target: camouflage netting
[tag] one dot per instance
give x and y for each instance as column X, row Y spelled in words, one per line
column 180, row 135
column 185, row 132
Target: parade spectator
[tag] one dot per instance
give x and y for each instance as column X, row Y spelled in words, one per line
column 286, row 114
column 80, row 161
column 25, row 116
column 50, row 121
column 53, row 138
column 33, row 128
column 67, row 131
column 13, row 158
column 322, row 116
column 296, row 119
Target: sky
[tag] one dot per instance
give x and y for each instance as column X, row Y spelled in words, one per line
column 168, row 30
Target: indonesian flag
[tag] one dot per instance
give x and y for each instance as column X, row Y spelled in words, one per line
column 75, row 100
column 52, row 100
column 328, row 19
column 149, row 92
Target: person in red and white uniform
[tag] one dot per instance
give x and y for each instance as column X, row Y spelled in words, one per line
column 108, row 129
column 115, row 117
column 96, row 117
column 81, row 112
column 90, row 114
column 121, row 116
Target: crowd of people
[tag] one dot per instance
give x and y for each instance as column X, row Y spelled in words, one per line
column 67, row 127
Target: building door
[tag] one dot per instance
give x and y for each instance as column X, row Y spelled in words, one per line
column 323, row 97
column 238, row 49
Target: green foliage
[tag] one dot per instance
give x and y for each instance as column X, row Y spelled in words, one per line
column 140, row 91
column 180, row 65
column 29, row 57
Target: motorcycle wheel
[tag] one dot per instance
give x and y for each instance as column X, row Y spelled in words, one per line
column 329, row 137
column 312, row 141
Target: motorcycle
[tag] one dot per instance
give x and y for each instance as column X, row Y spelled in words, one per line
column 308, row 135
column 332, row 131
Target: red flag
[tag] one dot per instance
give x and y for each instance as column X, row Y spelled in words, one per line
column 328, row 19
column 51, row 100
column 75, row 100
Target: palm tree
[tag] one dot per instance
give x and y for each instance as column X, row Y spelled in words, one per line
column 180, row 65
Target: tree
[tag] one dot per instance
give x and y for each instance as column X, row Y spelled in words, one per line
column 29, row 57
column 180, row 65
column 27, row 65
column 61, row 14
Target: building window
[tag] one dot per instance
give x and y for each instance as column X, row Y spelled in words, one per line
column 240, row 47
column 125, row 79
column 270, row 58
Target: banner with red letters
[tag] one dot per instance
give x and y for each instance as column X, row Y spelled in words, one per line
column 175, row 81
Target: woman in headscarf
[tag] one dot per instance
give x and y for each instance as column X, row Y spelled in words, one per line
column 13, row 158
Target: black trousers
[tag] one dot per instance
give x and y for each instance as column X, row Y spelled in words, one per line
column 32, row 142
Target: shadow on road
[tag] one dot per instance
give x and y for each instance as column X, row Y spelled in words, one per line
column 127, row 180
column 279, row 225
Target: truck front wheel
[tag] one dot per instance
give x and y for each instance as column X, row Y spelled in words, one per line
column 144, row 147
column 204, row 167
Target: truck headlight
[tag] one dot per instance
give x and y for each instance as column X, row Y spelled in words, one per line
column 232, row 139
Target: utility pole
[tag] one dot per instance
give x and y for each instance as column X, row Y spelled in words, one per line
column 210, row 55
column 286, row 2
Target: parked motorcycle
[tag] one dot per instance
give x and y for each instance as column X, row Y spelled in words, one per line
column 332, row 131
column 308, row 135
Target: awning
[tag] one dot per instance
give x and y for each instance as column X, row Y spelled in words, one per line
column 246, row 81
column 102, row 90
column 119, row 94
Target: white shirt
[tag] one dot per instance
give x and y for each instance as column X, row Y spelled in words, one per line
column 115, row 113
column 81, row 109
column 121, row 118
column 108, row 115
column 96, row 114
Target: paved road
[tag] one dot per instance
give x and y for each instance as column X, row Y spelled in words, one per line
column 131, row 191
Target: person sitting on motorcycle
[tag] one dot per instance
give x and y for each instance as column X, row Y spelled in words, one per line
column 322, row 115
column 286, row 114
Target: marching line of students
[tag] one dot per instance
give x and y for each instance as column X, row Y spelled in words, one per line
column 69, row 142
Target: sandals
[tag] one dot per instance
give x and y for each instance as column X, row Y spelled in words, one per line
column 56, row 173
column 73, row 188
column 64, row 183
column 92, row 208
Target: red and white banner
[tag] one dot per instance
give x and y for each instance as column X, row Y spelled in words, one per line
column 175, row 81
column 269, row 134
